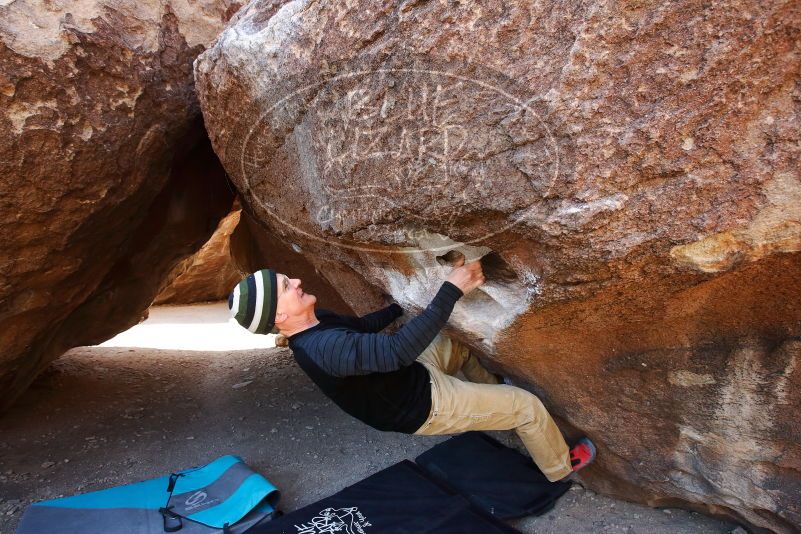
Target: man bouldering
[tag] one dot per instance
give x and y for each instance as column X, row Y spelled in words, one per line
column 404, row 381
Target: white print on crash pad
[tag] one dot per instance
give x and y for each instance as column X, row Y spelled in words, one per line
column 335, row 520
column 199, row 499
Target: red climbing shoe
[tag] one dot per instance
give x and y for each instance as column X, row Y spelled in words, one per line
column 582, row 454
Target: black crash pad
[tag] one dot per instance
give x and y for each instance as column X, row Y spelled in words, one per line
column 492, row 476
column 401, row 499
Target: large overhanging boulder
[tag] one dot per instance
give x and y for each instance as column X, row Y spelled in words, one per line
column 107, row 179
column 628, row 171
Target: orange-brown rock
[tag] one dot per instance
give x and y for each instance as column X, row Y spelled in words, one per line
column 107, row 179
column 240, row 246
column 207, row 275
column 254, row 247
column 628, row 171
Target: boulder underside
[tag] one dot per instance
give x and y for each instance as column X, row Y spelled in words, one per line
column 627, row 173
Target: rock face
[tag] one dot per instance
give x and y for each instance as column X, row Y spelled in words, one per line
column 628, row 172
column 239, row 246
column 253, row 247
column 107, row 179
column 207, row 275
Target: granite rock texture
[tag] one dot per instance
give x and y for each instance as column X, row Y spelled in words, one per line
column 628, row 173
column 107, row 179
column 240, row 246
column 209, row 274
column 254, row 247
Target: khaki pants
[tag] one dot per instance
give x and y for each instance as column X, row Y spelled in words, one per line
column 483, row 404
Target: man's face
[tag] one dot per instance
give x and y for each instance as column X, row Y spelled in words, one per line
column 292, row 300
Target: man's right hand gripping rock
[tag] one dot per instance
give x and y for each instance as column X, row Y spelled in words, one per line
column 468, row 276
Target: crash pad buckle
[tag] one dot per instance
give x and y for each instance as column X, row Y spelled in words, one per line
column 172, row 521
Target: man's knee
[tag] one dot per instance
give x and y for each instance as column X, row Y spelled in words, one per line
column 531, row 409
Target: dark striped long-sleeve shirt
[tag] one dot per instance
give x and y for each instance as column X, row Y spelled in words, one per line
column 370, row 375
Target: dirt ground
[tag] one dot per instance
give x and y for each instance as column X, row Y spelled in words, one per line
column 110, row 415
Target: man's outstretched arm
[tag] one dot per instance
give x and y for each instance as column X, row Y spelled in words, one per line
column 372, row 322
column 380, row 319
column 349, row 353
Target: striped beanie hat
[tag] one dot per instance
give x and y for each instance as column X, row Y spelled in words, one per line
column 253, row 300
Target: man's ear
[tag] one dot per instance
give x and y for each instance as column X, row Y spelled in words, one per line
column 280, row 318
